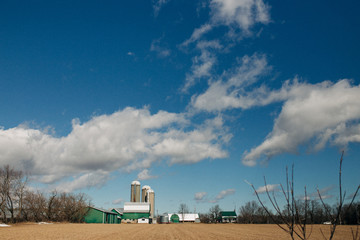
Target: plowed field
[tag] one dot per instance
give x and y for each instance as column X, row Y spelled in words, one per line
column 157, row 231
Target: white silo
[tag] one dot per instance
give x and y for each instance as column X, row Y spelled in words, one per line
column 151, row 197
column 135, row 191
column 144, row 196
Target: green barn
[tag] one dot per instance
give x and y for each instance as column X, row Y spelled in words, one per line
column 136, row 211
column 119, row 212
column 97, row 215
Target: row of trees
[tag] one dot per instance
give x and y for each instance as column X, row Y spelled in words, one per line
column 19, row 203
column 254, row 213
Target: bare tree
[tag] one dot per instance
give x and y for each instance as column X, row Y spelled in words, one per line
column 215, row 213
column 336, row 217
column 248, row 212
column 296, row 215
column 183, row 209
column 34, row 206
column 12, row 187
column 295, row 223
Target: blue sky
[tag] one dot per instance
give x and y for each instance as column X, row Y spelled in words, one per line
column 189, row 97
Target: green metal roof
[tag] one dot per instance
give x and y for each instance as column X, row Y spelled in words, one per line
column 228, row 214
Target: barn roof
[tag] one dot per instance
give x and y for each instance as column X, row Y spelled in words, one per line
column 118, row 210
column 102, row 210
column 228, row 213
column 139, row 207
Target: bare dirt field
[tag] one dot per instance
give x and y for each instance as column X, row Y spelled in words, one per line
column 30, row 231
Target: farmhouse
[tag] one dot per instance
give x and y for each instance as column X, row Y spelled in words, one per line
column 98, row 215
column 227, row 216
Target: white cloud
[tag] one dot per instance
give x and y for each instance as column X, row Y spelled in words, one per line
column 157, row 5
column 311, row 113
column 129, row 139
column 199, row 196
column 145, row 174
column 202, row 65
column 197, row 34
column 323, row 112
column 161, row 51
column 88, row 180
column 240, row 13
column 231, row 92
column 224, row 193
column 234, row 14
column 269, row 187
column 117, row 201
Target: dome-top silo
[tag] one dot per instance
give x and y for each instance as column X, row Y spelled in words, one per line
column 144, row 196
column 151, row 196
column 135, row 191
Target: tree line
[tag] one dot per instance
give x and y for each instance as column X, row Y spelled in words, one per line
column 253, row 213
column 19, row 203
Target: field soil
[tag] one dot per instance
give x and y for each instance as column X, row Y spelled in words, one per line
column 30, row 231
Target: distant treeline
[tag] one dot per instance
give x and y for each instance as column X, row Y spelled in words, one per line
column 253, row 213
column 18, row 203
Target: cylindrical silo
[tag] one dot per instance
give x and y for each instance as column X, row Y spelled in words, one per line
column 164, row 219
column 144, row 196
column 135, row 192
column 151, row 196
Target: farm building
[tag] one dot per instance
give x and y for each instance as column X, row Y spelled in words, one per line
column 118, row 211
column 188, row 217
column 227, row 216
column 174, row 218
column 97, row 215
column 136, row 210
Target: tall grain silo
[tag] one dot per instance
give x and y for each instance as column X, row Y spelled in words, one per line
column 135, row 191
column 151, row 196
column 144, row 196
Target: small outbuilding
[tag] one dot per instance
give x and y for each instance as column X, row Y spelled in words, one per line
column 98, row 215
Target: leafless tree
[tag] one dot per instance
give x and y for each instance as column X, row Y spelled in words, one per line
column 295, row 222
column 215, row 213
column 296, row 215
column 336, row 217
column 34, row 206
column 183, row 209
column 12, row 187
column 248, row 211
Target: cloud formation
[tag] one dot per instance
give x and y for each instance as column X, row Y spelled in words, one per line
column 127, row 140
column 320, row 113
column 242, row 14
column 269, row 187
column 145, row 174
column 157, row 5
column 231, row 91
column 199, row 196
column 317, row 113
column 118, row 201
column 234, row 15
column 162, row 51
column 224, row 193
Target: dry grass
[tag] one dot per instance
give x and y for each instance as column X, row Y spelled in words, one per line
column 156, row 231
